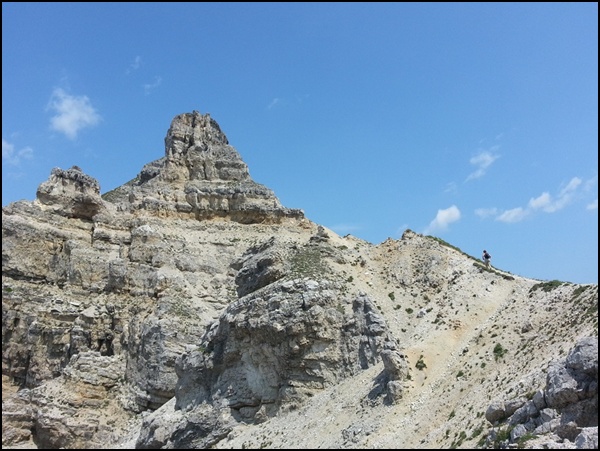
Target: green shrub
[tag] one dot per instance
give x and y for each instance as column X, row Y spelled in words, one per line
column 420, row 365
column 499, row 351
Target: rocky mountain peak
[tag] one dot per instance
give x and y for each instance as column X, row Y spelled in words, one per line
column 197, row 149
column 200, row 176
column 189, row 309
column 193, row 131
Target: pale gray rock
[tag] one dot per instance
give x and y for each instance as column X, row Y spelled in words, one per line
column 587, row 439
column 571, row 394
column 201, row 176
column 189, row 308
column 495, row 412
column 71, row 193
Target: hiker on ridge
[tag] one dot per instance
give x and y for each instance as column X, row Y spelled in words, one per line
column 486, row 258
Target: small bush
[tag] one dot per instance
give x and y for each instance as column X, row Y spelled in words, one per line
column 499, row 351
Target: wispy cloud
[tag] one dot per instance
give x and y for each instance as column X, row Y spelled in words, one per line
column 12, row 156
column 589, row 185
column 545, row 202
column 513, row 215
column 279, row 102
column 451, row 188
column 149, row 87
column 482, row 161
column 442, row 220
column 486, row 212
column 135, row 65
column 273, row 103
column 73, row 113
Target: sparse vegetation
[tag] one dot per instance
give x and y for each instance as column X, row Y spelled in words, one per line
column 524, row 439
column 502, row 435
column 180, row 308
column 309, row 262
column 546, row 286
column 461, row 438
column 577, row 291
column 444, row 243
column 476, row 432
column 501, row 315
column 499, row 351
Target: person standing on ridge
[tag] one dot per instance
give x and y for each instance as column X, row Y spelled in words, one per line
column 486, row 258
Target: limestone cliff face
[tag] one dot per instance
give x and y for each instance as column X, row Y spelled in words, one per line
column 200, row 176
column 188, row 306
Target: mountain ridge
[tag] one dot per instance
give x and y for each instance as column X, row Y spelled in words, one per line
column 189, row 308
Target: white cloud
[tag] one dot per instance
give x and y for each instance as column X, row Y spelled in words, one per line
column 544, row 202
column 443, row 219
column 514, row 215
column 591, row 183
column 135, row 65
column 588, row 186
column 482, row 161
column 149, row 87
column 571, row 186
column 72, row 113
column 12, row 156
column 274, row 102
column 486, row 212
column 451, row 188
column 281, row 102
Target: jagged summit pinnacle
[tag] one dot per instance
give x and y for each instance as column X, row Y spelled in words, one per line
column 197, row 149
column 193, row 129
column 200, row 176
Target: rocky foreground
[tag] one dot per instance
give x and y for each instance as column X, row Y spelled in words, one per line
column 189, row 309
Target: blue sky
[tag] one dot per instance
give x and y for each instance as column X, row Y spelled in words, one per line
column 473, row 122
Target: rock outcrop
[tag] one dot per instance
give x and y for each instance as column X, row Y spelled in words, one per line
column 564, row 414
column 189, row 308
column 71, row 193
column 200, row 176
